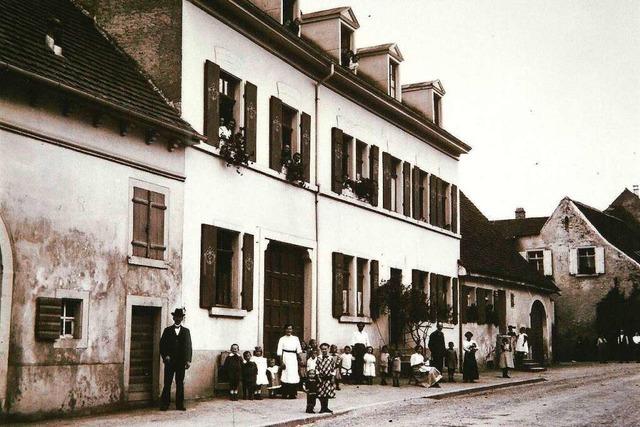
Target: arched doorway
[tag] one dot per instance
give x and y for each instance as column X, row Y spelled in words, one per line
column 538, row 329
column 6, row 292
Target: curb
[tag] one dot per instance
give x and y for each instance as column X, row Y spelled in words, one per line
column 310, row 419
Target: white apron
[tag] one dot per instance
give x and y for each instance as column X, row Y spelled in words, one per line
column 288, row 349
column 261, row 363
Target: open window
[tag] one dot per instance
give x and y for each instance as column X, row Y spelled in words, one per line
column 346, row 46
column 393, row 78
column 290, row 16
column 347, row 157
column 362, row 169
column 437, row 109
column 229, row 92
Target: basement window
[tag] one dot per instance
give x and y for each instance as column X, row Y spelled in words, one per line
column 70, row 319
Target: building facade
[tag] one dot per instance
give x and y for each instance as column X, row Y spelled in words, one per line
column 587, row 252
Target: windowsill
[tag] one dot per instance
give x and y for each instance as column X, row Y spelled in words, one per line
column 227, row 312
column 70, row 342
column 587, row 274
column 345, row 318
column 147, row 262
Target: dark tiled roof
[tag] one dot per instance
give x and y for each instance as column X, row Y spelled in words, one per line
column 513, row 228
column 613, row 229
column 484, row 250
column 91, row 64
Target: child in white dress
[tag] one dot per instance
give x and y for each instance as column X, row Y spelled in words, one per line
column 273, row 375
column 261, row 379
column 369, row 370
column 346, row 360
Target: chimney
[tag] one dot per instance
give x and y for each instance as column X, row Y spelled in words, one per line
column 426, row 98
column 520, row 213
column 636, row 190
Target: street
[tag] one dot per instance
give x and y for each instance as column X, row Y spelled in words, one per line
column 576, row 396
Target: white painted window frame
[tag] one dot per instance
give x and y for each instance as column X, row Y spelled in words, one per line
column 69, row 341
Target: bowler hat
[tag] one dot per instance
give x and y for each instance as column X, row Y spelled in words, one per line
column 178, row 312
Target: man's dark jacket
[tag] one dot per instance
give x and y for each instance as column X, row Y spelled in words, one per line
column 177, row 347
column 436, row 344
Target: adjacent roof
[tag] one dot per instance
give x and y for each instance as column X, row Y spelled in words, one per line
column 613, row 229
column 91, row 67
column 345, row 12
column 436, row 85
column 391, row 48
column 514, row 228
column 485, row 251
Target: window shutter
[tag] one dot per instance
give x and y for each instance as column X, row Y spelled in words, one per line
column 406, row 188
column 415, row 279
column 433, row 205
column 454, row 208
column 208, row 252
column 157, row 208
column 251, row 118
column 416, row 192
column 600, row 260
column 374, row 159
column 547, row 262
column 275, row 134
column 48, row 312
column 338, row 267
column 433, row 295
column 211, row 103
column 454, row 290
column 140, row 240
column 482, row 306
column 439, row 204
column 247, row 272
column 305, row 145
column 386, row 180
column 337, row 174
column 374, row 280
column 573, row 261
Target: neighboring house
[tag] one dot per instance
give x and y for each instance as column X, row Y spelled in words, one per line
column 374, row 193
column 499, row 288
column 586, row 251
column 91, row 194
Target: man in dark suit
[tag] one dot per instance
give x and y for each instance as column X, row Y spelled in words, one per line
column 175, row 349
column 437, row 347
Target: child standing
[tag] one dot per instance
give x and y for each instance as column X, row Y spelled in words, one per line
column 506, row 357
column 384, row 364
column 451, row 359
column 311, row 359
column 333, row 351
column 369, row 370
column 273, row 374
column 346, row 360
column 310, row 386
column 261, row 377
column 233, row 369
column 249, row 374
column 397, row 368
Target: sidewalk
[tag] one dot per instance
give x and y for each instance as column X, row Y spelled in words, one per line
column 222, row 412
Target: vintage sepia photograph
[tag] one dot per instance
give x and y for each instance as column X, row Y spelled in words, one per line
column 319, row 213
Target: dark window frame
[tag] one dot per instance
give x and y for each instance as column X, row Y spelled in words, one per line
column 226, row 241
column 586, row 260
column 536, row 261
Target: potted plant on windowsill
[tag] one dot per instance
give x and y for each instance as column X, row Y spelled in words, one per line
column 233, row 146
column 362, row 188
column 293, row 167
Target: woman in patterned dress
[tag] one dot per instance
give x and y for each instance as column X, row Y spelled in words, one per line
column 325, row 368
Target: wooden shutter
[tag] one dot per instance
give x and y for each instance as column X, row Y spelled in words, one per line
column 141, row 210
column 433, row 204
column 305, row 146
column 416, row 192
column 251, row 118
column 211, row 103
column 406, row 188
column 501, row 309
column 157, row 208
column 275, row 134
column 455, row 293
column 439, row 205
column 374, row 281
column 433, row 296
column 547, row 262
column 573, row 261
column 247, row 272
column 386, row 180
column 415, row 279
column 208, row 255
column 454, row 208
column 338, row 267
column 599, row 260
column 374, row 159
column 482, row 305
column 337, row 174
column 48, row 312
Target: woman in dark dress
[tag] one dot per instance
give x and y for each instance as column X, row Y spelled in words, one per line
column 469, row 364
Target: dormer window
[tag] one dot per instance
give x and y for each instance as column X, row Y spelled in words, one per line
column 289, row 15
column 53, row 39
column 393, row 79
column 346, row 46
column 437, row 109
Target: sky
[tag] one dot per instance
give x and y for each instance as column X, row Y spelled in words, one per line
column 546, row 92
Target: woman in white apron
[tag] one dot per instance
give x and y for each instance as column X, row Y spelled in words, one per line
column 288, row 350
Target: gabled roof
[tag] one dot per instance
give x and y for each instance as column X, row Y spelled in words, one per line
column 390, row 48
column 613, row 229
column 485, row 251
column 626, row 207
column 436, row 85
column 345, row 12
column 514, row 228
column 91, row 65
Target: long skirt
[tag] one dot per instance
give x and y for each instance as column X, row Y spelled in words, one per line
column 506, row 360
column 426, row 375
column 470, row 367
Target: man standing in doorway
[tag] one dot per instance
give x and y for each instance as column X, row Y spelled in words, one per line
column 359, row 342
column 175, row 349
column 437, row 347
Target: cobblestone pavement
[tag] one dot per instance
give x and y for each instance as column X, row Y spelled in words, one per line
column 579, row 395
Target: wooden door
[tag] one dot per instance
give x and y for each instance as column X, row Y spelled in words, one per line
column 144, row 349
column 536, row 335
column 501, row 308
column 283, row 293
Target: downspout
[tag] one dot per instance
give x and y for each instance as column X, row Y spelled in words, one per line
column 317, row 86
column 462, row 273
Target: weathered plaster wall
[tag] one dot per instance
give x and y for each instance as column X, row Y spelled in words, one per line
column 68, row 215
column 576, row 306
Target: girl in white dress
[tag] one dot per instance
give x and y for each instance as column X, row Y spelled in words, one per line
column 369, row 370
column 288, row 351
column 261, row 378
